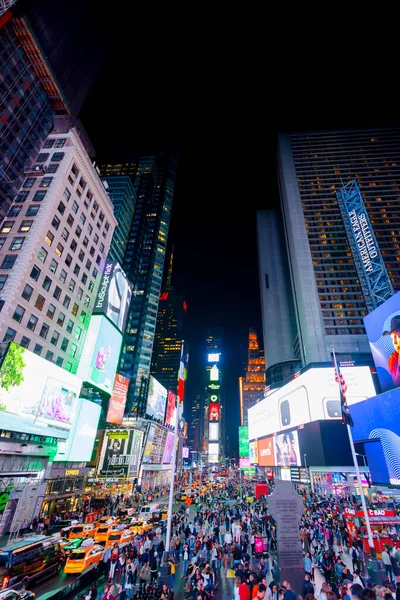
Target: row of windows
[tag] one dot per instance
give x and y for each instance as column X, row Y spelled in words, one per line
column 10, row 334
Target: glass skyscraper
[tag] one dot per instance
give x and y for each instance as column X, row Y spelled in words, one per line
column 123, row 197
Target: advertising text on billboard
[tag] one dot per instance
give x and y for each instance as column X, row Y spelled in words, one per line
column 266, row 452
column 116, row 404
column 120, row 453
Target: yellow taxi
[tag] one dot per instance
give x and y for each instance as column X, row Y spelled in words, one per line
column 140, row 526
column 121, row 536
column 103, row 532
column 83, row 530
column 81, row 559
column 107, row 520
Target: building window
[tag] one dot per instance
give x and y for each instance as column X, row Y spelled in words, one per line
column 60, row 142
column 38, row 349
column 65, row 234
column 74, row 245
column 70, row 326
column 44, row 330
column 42, row 157
column 68, row 260
column 8, row 261
column 27, row 292
column 98, row 259
column 54, row 338
column 48, row 144
column 81, row 255
column 49, row 355
column 25, row 342
column 25, row 226
column 7, row 226
column 61, row 319
column 90, row 229
column 16, row 244
column 14, row 212
column 47, row 283
column 50, row 236
column 67, row 301
column 61, row 208
column 84, row 278
column 67, row 194
column 32, row 323
column 91, row 286
column 51, row 311
column 29, row 182
column 32, row 211
column 72, row 284
column 52, row 168
column 85, row 241
column 46, row 181
column 10, row 335
column 3, row 279
column 57, row 156
column 39, row 302
column 70, row 220
column 92, row 251
column 72, row 350
column 59, row 361
column 53, row 265
column 79, row 293
column 63, row 276
column 57, row 293
column 77, row 269
column 59, row 249
column 2, row 241
column 64, row 344
column 42, row 254
column 87, row 300
column 68, row 366
column 21, row 197
column 56, row 222
column 83, row 316
column 75, row 207
column 102, row 247
column 35, row 273
column 96, row 238
column 88, row 264
column 39, row 196
column 18, row 313
column 75, row 309
column 78, row 333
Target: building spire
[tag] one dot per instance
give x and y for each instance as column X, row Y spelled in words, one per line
column 169, row 276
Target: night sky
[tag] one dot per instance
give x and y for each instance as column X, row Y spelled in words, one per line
column 223, row 109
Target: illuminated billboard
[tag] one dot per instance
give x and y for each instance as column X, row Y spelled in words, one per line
column 114, row 295
column 383, row 329
column 244, row 441
column 213, row 358
column 156, row 399
column 253, row 448
column 213, row 411
column 120, row 452
column 378, row 420
column 213, row 430
column 36, row 396
column 171, row 412
column 244, row 463
column 213, row 452
column 287, row 451
column 79, row 445
column 312, row 396
column 266, row 456
column 214, row 373
column 156, row 444
column 116, row 404
column 169, row 448
column 100, row 355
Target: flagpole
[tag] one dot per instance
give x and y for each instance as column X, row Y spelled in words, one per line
column 357, row 470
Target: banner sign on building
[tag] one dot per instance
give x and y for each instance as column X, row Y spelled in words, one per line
column 213, row 411
column 114, row 295
column 116, row 404
column 120, row 453
column 244, row 441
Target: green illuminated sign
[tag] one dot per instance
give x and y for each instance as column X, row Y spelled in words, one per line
column 244, row 442
column 5, row 496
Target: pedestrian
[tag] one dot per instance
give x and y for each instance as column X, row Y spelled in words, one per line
column 144, row 575
column 172, row 567
column 129, row 581
column 153, row 567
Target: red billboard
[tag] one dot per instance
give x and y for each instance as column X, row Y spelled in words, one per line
column 213, row 411
column 266, row 452
column 116, row 405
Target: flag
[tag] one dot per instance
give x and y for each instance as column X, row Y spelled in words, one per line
column 346, row 416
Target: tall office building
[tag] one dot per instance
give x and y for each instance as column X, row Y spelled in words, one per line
column 26, row 116
column 214, row 408
column 196, row 424
column 154, row 183
column 54, row 243
column 312, row 167
column 253, row 383
column 168, row 336
column 123, row 197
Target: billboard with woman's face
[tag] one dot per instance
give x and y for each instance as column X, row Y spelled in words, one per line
column 287, row 451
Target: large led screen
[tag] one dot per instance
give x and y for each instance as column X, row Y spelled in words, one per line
column 378, row 420
column 213, row 411
column 156, row 399
column 312, row 396
column 120, row 452
column 244, row 441
column 100, row 355
column 171, row 412
column 213, row 431
column 114, row 295
column 253, row 447
column 79, row 445
column 169, row 448
column 213, row 452
column 116, row 404
column 36, row 396
column 286, row 449
column 266, row 457
column 383, row 329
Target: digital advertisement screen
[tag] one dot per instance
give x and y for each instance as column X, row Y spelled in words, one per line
column 156, row 399
column 383, row 330
column 36, row 396
column 213, row 358
column 213, row 452
column 213, row 411
column 156, row 443
column 79, row 445
column 378, row 420
column 169, row 447
column 266, row 457
column 120, row 452
column 312, row 396
column 244, row 441
column 114, row 295
column 116, row 404
column 253, row 448
column 99, row 361
column 171, row 413
column 213, row 430
column 287, row 451
column 244, row 463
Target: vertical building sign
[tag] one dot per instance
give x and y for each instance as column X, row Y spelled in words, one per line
column 244, row 450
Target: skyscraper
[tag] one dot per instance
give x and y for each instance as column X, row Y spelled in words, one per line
column 168, row 335
column 154, row 183
column 313, row 167
column 123, row 197
column 214, row 409
column 196, row 428
column 253, row 383
column 54, row 243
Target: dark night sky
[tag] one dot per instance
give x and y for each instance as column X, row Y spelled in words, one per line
column 223, row 106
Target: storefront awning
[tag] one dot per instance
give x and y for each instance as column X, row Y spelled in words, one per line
column 384, row 520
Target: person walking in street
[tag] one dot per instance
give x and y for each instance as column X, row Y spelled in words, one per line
column 153, row 568
column 144, row 575
column 387, row 563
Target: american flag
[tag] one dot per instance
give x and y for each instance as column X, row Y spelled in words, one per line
column 346, row 416
column 339, row 378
